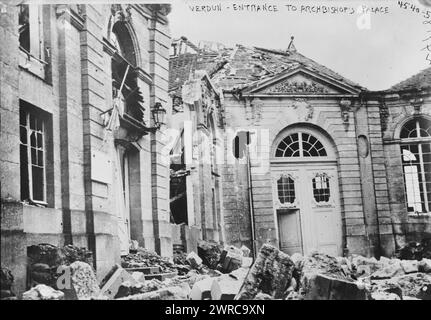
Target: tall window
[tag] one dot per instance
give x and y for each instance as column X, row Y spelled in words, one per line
column 32, row 156
column 24, row 27
column 124, row 75
column 30, row 24
column 416, row 160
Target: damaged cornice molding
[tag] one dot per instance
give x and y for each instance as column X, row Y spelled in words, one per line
column 346, row 107
column 144, row 76
column 64, row 12
column 121, row 13
column 417, row 104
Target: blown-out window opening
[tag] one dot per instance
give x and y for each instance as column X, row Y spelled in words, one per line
column 416, row 163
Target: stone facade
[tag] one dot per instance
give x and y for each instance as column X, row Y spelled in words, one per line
column 198, row 120
column 64, row 76
column 270, row 93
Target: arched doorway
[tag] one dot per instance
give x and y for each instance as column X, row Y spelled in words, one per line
column 305, row 191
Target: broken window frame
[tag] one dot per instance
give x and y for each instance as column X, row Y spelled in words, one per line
column 134, row 109
column 416, row 139
column 35, row 41
column 32, row 55
column 29, row 184
column 321, row 188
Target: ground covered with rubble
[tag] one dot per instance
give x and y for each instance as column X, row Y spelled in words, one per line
column 225, row 273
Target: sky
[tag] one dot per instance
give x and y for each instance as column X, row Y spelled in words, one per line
column 376, row 49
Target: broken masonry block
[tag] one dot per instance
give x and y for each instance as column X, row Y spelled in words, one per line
column 410, row 266
column 161, row 276
column 425, row 265
column 389, row 271
column 128, row 288
column 202, row 289
column 225, row 288
column 385, row 290
column 324, row 287
column 245, row 251
column 83, row 282
column 138, row 276
column 111, row 286
column 263, row 296
column 6, row 279
column 42, row 292
column 209, row 252
column 169, row 293
column 416, row 285
column 271, row 273
column 194, row 260
column 145, row 270
column 134, row 246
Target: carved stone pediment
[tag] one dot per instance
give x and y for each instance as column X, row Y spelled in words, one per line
column 299, row 85
column 300, row 82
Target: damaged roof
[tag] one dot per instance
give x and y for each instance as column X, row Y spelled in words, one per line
column 242, row 66
column 418, row 81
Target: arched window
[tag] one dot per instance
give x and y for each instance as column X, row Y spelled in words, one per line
column 416, row 161
column 124, row 75
column 300, row 144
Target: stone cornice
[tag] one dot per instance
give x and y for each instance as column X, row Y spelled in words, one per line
column 63, row 11
column 144, row 76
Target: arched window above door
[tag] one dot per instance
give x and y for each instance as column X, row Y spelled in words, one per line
column 300, row 144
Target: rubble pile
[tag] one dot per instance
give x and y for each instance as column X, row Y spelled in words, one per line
column 43, row 292
column 416, row 250
column 270, row 274
column 216, row 274
column 147, row 258
column 44, row 261
column 6, row 282
column 210, row 253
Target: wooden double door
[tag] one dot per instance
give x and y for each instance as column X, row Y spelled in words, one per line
column 307, row 207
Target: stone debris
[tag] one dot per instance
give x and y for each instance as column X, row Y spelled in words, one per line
column 245, row 251
column 44, row 261
column 113, row 280
column 210, row 253
column 324, row 287
column 324, row 277
column 147, row 258
column 42, row 292
column 6, row 282
column 425, row 265
column 274, row 275
column 230, row 259
column 416, row 250
column 271, row 273
column 225, row 287
column 194, row 260
column 202, row 289
column 170, row 293
column 84, row 285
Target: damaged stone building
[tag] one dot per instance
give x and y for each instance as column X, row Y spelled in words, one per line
column 311, row 160
column 198, row 125
column 112, row 132
column 83, row 98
